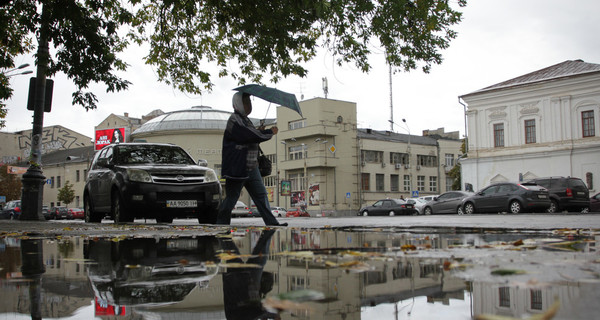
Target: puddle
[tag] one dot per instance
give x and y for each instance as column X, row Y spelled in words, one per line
column 303, row 274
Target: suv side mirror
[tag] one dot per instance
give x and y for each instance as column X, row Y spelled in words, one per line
column 103, row 162
column 203, row 163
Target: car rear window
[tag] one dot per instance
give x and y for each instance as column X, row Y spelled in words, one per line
column 577, row 183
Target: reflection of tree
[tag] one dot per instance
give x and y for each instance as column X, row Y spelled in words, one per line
column 66, row 248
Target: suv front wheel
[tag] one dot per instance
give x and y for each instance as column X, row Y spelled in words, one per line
column 88, row 212
column 119, row 213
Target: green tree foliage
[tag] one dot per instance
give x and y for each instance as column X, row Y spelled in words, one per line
column 455, row 172
column 245, row 39
column 66, row 194
column 10, row 184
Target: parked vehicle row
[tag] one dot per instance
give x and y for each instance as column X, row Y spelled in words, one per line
column 388, row 207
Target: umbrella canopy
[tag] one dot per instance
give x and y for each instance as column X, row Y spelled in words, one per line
column 272, row 95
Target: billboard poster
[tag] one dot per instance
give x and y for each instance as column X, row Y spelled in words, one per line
column 298, row 199
column 107, row 136
column 286, row 187
column 313, row 194
column 271, row 193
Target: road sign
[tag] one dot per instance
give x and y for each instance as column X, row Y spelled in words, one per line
column 347, row 195
column 332, row 149
column 415, row 193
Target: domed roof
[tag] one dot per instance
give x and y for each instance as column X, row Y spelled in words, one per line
column 195, row 118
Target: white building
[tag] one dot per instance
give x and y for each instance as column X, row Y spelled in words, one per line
column 544, row 123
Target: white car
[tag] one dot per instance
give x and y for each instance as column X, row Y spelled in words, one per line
column 278, row 211
column 419, row 204
column 241, row 210
column 428, row 198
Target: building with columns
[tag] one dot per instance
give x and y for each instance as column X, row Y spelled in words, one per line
column 544, row 123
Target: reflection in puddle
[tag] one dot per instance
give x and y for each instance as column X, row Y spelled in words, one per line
column 261, row 273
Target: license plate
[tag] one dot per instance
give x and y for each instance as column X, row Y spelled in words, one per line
column 181, row 203
column 409, row 206
column 542, row 196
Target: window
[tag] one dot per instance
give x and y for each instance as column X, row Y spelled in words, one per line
column 426, row 161
column 394, row 183
column 365, row 182
column 433, row 184
column 51, row 182
column 536, row 299
column 587, row 121
column 401, row 158
column 421, row 183
column 85, row 175
column 58, row 182
column 504, row 297
column 371, row 156
column 292, row 125
column 449, row 160
column 530, row 131
column 297, row 152
column 406, row 182
column 449, row 183
column 499, row 135
column 379, row 182
column 296, row 181
column 77, row 176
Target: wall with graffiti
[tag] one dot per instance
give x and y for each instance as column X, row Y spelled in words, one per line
column 53, row 138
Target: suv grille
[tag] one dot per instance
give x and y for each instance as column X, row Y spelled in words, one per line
column 178, row 178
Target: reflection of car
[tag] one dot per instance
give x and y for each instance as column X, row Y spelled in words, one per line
column 449, row 202
column 566, row 193
column 296, row 212
column 595, row 203
column 241, row 210
column 388, row 207
column 149, row 180
column 12, row 210
column 145, row 271
column 75, row 213
column 59, row 213
column 278, row 211
column 508, row 197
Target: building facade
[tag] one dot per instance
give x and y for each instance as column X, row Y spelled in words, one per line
column 544, row 123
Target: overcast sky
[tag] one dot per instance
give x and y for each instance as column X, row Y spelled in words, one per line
column 497, row 40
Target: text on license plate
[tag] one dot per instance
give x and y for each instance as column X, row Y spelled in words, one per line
column 181, row 203
column 542, row 196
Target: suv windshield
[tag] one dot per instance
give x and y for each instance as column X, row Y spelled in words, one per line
column 145, row 154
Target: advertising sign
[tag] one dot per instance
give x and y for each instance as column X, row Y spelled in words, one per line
column 313, row 192
column 108, row 136
column 286, row 188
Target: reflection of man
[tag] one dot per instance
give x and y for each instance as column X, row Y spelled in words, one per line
column 244, row 288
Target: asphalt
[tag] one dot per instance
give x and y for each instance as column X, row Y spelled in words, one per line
column 508, row 222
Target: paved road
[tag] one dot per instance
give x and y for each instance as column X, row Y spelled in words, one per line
column 492, row 221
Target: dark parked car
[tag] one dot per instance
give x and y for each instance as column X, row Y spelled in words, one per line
column 58, row 213
column 595, row 203
column 149, row 180
column 566, row 193
column 388, row 207
column 508, row 197
column 12, row 210
column 449, row 202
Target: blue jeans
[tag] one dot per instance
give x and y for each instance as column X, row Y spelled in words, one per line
column 255, row 187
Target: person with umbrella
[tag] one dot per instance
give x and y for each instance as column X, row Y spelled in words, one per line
column 240, row 164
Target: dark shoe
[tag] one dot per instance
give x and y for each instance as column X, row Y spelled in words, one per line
column 279, row 225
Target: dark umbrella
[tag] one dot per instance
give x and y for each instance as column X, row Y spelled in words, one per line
column 272, row 95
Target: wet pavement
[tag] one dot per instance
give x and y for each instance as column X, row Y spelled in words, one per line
column 435, row 267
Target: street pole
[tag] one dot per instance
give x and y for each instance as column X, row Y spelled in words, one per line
column 33, row 179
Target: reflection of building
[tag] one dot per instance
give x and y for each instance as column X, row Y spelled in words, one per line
column 545, row 123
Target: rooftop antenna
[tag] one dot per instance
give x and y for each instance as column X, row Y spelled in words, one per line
column 325, row 87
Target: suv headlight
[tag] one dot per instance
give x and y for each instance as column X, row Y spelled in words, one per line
column 139, row 175
column 210, row 176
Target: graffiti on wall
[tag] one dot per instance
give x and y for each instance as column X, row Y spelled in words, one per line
column 53, row 138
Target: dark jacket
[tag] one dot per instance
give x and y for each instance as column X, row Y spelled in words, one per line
column 240, row 147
